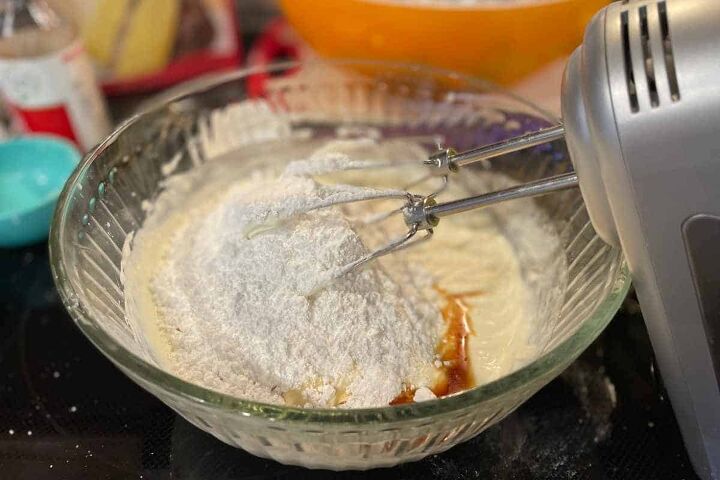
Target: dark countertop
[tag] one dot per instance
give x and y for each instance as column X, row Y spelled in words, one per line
column 67, row 413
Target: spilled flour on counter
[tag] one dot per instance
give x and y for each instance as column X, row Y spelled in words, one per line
column 228, row 278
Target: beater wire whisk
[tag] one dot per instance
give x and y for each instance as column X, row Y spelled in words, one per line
column 422, row 213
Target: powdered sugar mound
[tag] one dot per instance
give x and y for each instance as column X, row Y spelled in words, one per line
column 328, row 163
column 231, row 293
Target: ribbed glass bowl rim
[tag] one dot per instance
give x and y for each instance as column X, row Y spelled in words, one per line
column 545, row 364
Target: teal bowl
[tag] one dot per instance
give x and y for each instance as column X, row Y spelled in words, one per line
column 33, row 171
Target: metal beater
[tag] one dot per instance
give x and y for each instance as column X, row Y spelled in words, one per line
column 423, row 213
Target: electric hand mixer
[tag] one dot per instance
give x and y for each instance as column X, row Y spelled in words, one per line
column 641, row 111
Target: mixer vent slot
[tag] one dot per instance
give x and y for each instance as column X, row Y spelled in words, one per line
column 648, row 58
column 668, row 52
column 627, row 57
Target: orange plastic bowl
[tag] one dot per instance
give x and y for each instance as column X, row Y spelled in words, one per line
column 503, row 41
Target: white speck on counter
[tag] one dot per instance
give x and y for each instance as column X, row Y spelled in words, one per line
column 56, row 374
column 73, row 409
column 11, row 431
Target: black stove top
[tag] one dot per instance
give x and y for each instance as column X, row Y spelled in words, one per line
column 67, row 413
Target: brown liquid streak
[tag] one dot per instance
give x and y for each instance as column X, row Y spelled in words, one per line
column 406, row 396
column 452, row 348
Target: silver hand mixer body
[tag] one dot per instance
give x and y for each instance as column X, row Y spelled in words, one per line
column 641, row 106
column 641, row 112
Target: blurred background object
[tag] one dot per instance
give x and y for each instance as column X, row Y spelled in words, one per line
column 145, row 45
column 278, row 41
column 47, row 82
column 256, row 14
column 502, row 41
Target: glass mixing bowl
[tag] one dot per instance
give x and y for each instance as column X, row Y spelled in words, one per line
column 102, row 205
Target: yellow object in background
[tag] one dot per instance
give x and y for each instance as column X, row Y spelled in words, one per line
column 131, row 38
column 502, row 42
column 101, row 35
column 149, row 39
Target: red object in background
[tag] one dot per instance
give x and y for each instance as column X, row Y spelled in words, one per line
column 189, row 66
column 53, row 120
column 278, row 41
column 190, row 61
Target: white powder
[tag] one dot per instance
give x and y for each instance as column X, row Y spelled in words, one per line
column 233, row 298
column 322, row 163
column 423, row 394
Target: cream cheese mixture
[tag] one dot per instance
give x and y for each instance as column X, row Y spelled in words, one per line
column 229, row 279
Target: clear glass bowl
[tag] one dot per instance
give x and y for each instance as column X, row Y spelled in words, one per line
column 102, row 204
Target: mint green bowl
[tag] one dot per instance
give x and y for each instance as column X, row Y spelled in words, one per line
column 33, row 171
